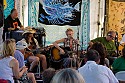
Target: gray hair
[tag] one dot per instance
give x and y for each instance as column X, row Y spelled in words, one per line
column 67, row 75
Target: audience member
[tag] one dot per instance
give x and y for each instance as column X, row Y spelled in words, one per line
column 119, row 63
column 27, row 54
column 67, row 75
column 21, row 46
column 48, row 75
column 94, row 73
column 9, row 66
column 99, row 47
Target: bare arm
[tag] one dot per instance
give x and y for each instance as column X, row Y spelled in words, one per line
column 21, row 28
column 57, row 46
column 90, row 44
column 11, row 29
column 15, row 68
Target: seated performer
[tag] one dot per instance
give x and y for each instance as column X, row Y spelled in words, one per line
column 33, row 45
column 108, row 43
column 68, row 42
column 12, row 23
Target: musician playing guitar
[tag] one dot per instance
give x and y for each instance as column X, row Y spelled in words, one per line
column 33, row 44
column 108, row 43
column 68, row 42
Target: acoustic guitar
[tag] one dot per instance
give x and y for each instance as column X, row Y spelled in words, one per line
column 56, row 56
column 27, row 54
column 31, row 52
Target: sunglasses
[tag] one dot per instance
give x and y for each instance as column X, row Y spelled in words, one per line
column 111, row 37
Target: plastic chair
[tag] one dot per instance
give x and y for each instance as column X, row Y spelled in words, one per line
column 120, row 76
column 4, row 81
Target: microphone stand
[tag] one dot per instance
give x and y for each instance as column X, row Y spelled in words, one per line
column 77, row 48
column 44, row 35
column 116, row 44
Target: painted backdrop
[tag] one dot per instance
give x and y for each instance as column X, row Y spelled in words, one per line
column 60, row 12
column 116, row 17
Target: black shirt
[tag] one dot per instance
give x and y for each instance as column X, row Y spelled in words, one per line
column 10, row 23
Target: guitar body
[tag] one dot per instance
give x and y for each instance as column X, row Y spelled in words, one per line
column 56, row 56
column 27, row 54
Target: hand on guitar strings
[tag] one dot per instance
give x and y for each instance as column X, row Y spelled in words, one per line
column 62, row 51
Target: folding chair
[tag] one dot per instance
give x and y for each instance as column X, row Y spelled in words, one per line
column 38, row 69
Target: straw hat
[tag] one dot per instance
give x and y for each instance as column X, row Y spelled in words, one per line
column 29, row 30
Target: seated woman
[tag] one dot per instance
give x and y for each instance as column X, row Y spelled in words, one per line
column 119, row 63
column 33, row 45
column 10, row 66
column 98, row 46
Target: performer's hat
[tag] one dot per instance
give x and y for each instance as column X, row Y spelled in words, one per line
column 29, row 30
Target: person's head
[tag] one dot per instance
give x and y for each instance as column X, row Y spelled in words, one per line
column 69, row 32
column 67, row 75
column 98, row 46
column 48, row 75
column 21, row 45
column 14, row 13
column 28, row 32
column 9, row 48
column 111, row 35
column 93, row 55
column 29, row 35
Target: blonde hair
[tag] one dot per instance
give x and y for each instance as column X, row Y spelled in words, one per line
column 67, row 75
column 9, row 47
column 69, row 29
